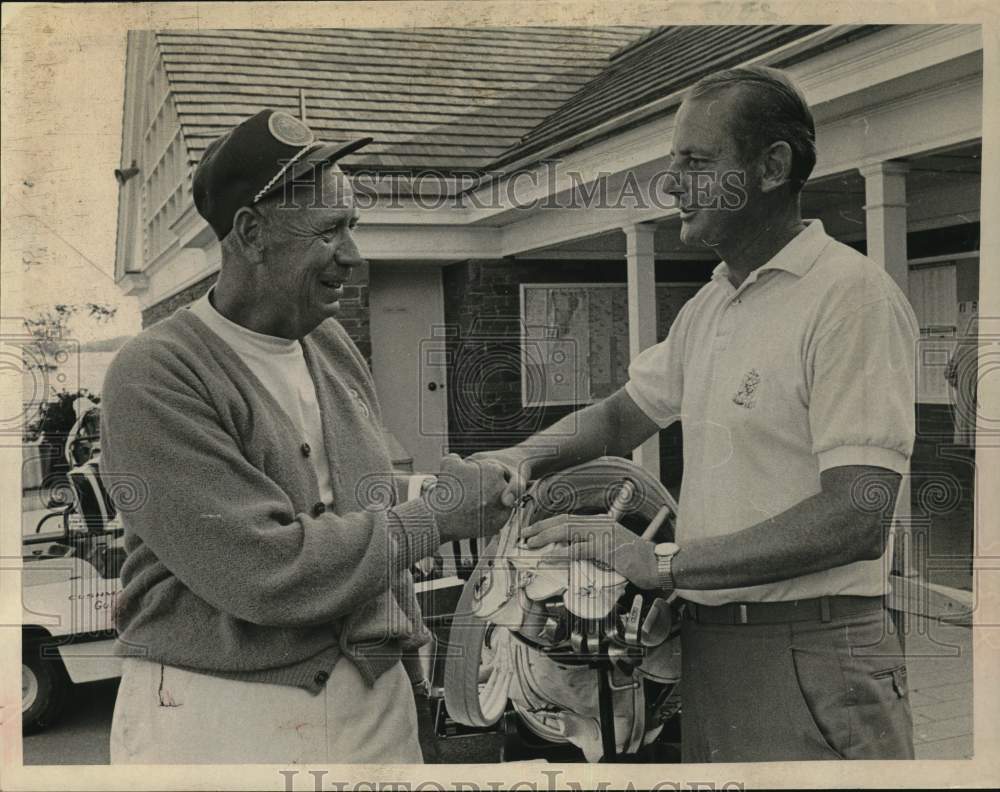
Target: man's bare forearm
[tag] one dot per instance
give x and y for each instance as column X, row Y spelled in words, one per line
column 612, row 426
column 823, row 531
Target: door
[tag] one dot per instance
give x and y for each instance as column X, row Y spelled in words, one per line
column 934, row 297
column 408, row 358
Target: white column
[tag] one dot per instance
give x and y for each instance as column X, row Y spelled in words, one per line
column 885, row 213
column 642, row 317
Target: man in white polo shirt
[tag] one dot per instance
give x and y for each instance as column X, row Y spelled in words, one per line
column 792, row 371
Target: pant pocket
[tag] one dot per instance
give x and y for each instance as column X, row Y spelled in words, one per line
column 880, row 712
column 821, row 694
column 897, row 677
column 879, row 703
column 171, row 690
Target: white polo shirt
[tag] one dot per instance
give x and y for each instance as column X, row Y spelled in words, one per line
column 808, row 365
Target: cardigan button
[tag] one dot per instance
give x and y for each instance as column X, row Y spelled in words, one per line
column 321, row 677
column 318, row 509
column 306, row 449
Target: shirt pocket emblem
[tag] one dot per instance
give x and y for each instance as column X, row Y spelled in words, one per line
column 746, row 395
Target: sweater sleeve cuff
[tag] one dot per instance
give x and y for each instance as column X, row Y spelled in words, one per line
column 414, row 530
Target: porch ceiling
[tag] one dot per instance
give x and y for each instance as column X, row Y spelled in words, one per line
column 949, row 166
column 937, row 173
column 611, row 245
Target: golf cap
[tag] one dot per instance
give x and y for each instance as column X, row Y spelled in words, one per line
column 255, row 159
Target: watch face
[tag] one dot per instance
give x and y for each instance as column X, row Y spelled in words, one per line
column 665, row 549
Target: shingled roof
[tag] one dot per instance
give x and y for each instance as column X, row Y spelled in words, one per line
column 444, row 98
column 662, row 62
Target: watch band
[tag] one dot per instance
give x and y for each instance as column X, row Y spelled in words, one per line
column 665, row 552
column 664, row 572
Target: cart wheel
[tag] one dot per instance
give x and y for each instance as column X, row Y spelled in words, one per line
column 44, row 687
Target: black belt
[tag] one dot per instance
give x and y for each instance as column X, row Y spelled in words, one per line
column 817, row 609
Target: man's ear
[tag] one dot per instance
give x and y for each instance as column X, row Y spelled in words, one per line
column 776, row 164
column 249, row 231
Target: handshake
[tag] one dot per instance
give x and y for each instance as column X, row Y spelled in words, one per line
column 473, row 497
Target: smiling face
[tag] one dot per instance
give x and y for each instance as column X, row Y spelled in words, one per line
column 309, row 252
column 714, row 186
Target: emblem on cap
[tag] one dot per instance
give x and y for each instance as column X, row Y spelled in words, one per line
column 289, row 130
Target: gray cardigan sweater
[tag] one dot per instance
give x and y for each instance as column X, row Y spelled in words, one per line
column 233, row 566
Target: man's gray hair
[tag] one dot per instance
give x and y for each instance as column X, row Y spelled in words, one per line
column 770, row 108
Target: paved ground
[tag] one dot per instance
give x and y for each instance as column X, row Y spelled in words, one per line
column 81, row 736
column 942, row 479
column 939, row 665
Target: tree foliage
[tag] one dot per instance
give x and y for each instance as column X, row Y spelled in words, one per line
column 49, row 330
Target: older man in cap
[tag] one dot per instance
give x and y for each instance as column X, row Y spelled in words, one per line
column 267, row 601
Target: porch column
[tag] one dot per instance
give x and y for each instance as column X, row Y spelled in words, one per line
column 642, row 317
column 885, row 214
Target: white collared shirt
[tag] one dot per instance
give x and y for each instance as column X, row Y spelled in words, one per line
column 808, row 365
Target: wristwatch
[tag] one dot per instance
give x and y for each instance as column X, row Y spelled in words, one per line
column 665, row 552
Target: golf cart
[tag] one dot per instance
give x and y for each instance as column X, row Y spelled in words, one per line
column 70, row 581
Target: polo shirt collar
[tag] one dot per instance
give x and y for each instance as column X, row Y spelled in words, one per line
column 797, row 257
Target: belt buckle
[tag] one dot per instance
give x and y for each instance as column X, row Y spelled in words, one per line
column 743, row 614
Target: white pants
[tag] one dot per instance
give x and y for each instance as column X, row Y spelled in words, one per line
column 166, row 715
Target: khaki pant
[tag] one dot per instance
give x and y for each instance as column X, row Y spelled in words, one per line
column 167, row 715
column 806, row 690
